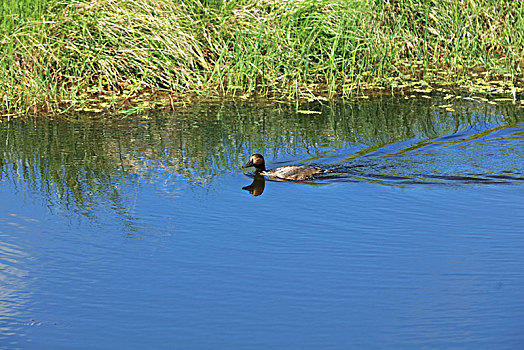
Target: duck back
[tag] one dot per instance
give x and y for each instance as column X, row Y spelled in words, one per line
column 293, row 172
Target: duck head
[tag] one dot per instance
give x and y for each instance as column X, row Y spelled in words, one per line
column 257, row 161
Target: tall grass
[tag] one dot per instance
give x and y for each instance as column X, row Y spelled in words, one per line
column 15, row 13
column 58, row 57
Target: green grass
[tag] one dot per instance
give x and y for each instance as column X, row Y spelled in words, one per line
column 59, row 57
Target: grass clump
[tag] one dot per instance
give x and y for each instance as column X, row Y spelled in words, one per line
column 107, row 54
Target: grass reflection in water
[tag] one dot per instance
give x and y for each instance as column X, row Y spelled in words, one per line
column 85, row 164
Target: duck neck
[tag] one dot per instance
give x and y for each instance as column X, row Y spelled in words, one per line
column 260, row 168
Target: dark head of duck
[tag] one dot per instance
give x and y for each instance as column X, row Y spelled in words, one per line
column 257, row 161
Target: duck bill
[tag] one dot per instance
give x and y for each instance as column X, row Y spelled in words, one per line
column 248, row 164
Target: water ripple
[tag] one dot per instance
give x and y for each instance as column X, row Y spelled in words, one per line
column 490, row 156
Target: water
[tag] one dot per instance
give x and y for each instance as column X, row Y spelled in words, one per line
column 139, row 234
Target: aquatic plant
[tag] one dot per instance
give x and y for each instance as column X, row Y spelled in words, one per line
column 96, row 55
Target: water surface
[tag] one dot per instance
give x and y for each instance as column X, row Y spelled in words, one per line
column 139, row 234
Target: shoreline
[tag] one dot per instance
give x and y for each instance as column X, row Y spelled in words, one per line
column 125, row 57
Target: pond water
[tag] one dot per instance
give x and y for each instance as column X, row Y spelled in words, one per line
column 148, row 233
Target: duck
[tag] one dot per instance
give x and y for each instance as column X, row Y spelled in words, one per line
column 289, row 172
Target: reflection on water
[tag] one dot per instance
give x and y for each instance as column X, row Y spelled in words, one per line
column 86, row 165
column 15, row 290
column 490, row 156
column 257, row 186
column 147, row 233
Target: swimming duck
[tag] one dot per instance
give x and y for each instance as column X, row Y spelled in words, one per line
column 289, row 172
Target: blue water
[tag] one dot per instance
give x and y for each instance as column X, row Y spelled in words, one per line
column 401, row 247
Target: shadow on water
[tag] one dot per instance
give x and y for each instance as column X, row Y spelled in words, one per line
column 86, row 165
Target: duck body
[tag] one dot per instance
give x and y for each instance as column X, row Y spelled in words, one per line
column 289, row 172
column 293, row 172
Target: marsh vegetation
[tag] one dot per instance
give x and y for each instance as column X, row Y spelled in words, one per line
column 104, row 55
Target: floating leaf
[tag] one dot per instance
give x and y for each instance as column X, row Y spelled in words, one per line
column 308, row 112
column 424, row 91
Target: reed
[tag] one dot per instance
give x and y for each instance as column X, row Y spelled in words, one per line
column 98, row 55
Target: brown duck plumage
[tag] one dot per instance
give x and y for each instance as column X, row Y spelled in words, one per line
column 289, row 172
